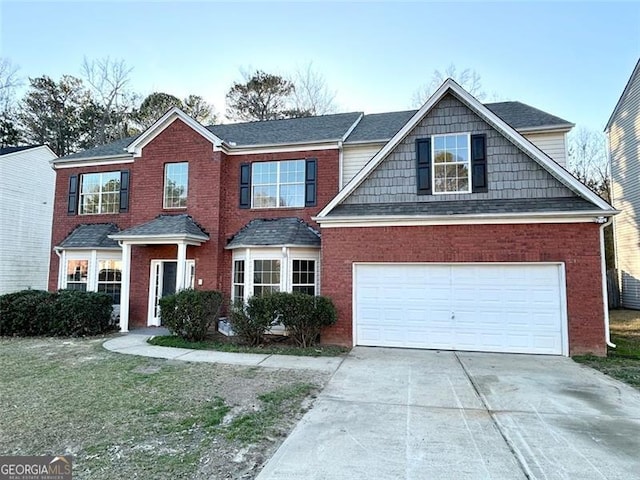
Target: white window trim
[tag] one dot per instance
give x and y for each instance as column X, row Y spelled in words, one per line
column 433, row 163
column 164, row 187
column 92, row 257
column 278, row 184
column 100, row 193
column 286, row 255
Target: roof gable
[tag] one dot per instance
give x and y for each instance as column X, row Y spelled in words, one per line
column 635, row 75
column 167, row 119
column 451, row 87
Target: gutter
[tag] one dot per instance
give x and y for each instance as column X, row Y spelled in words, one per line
column 603, row 266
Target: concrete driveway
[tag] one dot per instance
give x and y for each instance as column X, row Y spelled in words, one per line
column 419, row 414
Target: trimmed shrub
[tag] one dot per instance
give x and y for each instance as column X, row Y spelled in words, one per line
column 79, row 313
column 251, row 321
column 65, row 313
column 303, row 315
column 189, row 313
column 26, row 313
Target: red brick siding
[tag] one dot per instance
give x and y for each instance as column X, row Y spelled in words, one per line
column 577, row 245
column 212, row 202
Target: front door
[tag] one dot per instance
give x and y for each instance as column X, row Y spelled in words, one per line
column 162, row 282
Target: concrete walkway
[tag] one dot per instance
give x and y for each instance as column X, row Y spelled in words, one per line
column 409, row 414
column 135, row 343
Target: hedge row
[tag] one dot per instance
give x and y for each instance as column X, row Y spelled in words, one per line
column 69, row 313
column 189, row 313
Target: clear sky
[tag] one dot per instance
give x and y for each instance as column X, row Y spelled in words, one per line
column 570, row 59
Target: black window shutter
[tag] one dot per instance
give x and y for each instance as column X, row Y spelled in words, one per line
column 124, row 191
column 423, row 166
column 72, row 206
column 478, row 164
column 245, row 185
column 310, row 180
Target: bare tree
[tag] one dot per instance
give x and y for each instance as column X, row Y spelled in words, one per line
column 9, row 81
column 10, row 133
column 467, row 78
column 311, row 92
column 588, row 160
column 108, row 81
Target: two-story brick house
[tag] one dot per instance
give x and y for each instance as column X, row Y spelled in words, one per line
column 445, row 227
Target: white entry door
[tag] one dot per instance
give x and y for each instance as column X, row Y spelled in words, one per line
column 479, row 307
column 162, row 282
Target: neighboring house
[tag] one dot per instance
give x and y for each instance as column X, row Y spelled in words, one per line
column 623, row 132
column 438, row 228
column 27, row 185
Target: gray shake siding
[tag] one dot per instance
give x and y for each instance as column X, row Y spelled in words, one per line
column 511, row 173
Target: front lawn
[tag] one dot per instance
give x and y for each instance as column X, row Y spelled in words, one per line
column 277, row 346
column 622, row 362
column 123, row 416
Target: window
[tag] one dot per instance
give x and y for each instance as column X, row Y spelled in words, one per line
column 77, row 271
column 304, row 277
column 176, row 181
column 238, row 280
column 109, row 278
column 451, row 172
column 278, row 184
column 266, row 276
column 100, row 193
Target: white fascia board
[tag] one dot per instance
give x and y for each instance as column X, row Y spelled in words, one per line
column 158, row 239
column 450, row 85
column 279, row 148
column 93, row 161
column 475, row 219
column 167, row 119
column 279, row 245
column 564, row 128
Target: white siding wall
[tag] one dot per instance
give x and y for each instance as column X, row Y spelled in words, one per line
column 624, row 146
column 354, row 157
column 553, row 144
column 27, row 185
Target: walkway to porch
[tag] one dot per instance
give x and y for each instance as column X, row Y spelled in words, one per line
column 135, row 343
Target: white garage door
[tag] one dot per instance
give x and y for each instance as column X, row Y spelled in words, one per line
column 480, row 307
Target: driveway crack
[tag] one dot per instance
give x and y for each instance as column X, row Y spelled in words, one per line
column 492, row 416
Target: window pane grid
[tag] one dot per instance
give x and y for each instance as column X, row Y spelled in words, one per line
column 278, row 184
column 176, row 181
column 451, row 164
column 100, row 193
column 238, row 280
column 304, row 277
column 266, row 276
column 109, row 278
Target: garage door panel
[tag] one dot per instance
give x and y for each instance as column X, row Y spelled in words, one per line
column 490, row 307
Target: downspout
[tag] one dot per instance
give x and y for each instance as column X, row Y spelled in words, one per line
column 59, row 252
column 603, row 266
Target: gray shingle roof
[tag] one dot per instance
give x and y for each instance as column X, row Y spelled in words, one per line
column 374, row 127
column 380, row 126
column 8, row 150
column 520, row 115
column 466, row 207
column 117, row 147
column 93, row 235
column 166, row 225
column 293, row 130
column 383, row 126
column 277, row 231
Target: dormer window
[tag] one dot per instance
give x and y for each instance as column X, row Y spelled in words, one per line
column 176, row 184
column 451, row 169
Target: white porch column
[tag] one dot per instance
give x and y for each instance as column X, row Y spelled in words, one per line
column 124, row 287
column 182, row 266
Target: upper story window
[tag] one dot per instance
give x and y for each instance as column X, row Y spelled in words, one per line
column 278, row 184
column 451, row 167
column 100, row 193
column 285, row 183
column 176, row 183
